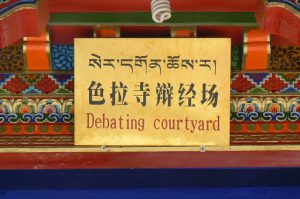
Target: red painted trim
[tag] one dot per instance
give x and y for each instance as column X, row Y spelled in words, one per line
column 23, row 23
column 279, row 21
column 57, row 6
column 232, row 159
column 233, row 32
column 277, row 40
column 65, row 34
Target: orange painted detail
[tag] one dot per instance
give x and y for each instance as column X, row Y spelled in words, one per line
column 110, row 32
column 256, row 50
column 184, row 33
column 36, row 51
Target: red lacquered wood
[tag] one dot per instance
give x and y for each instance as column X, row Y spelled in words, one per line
column 57, row 6
column 276, row 40
column 279, row 21
column 26, row 22
column 233, row 32
column 65, row 34
column 233, row 159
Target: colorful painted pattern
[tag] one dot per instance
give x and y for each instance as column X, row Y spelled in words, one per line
column 266, row 109
column 11, row 5
column 58, row 84
column 62, row 56
column 36, row 84
column 45, row 117
column 265, row 83
column 24, row 110
column 40, row 121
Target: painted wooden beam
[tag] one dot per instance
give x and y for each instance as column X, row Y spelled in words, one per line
column 58, row 6
column 99, row 160
column 144, row 18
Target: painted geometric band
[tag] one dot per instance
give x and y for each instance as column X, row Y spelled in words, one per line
column 264, row 139
column 36, row 84
column 265, row 83
column 37, row 129
column 13, row 118
column 62, row 84
column 68, row 140
column 36, row 140
column 264, row 127
column 243, row 109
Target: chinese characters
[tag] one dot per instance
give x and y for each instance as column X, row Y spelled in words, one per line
column 164, row 94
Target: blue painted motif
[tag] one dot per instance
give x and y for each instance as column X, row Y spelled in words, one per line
column 36, row 118
column 62, row 57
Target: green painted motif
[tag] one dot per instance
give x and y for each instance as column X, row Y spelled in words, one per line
column 237, row 127
column 57, row 128
column 71, row 129
column 264, row 127
column 16, row 128
column 44, row 128
column 236, row 58
column 30, row 128
column 251, row 127
column 3, row 129
column 293, row 126
column 257, row 90
column 278, row 127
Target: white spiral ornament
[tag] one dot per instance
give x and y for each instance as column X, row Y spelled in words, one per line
column 161, row 10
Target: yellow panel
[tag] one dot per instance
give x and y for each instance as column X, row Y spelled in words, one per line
column 152, row 92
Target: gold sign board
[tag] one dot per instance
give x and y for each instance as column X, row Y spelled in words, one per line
column 152, row 92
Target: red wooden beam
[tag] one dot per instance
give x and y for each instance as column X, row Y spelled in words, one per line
column 76, row 160
column 23, row 22
column 281, row 20
column 57, row 6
